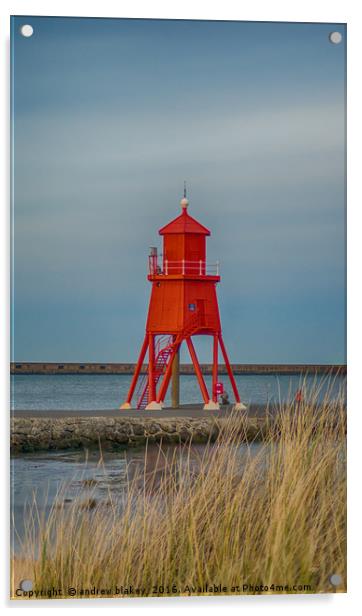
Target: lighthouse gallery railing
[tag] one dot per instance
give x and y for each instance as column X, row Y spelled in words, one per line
column 182, row 267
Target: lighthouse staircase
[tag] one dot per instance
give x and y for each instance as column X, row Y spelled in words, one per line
column 163, row 350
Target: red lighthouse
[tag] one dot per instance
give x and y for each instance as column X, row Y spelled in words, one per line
column 183, row 304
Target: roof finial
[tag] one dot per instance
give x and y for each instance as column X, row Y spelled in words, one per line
column 184, row 200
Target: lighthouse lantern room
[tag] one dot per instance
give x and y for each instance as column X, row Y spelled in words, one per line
column 183, row 304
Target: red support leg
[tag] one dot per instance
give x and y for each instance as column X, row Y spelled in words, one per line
column 166, row 378
column 198, row 372
column 229, row 370
column 214, row 368
column 136, row 373
column 151, row 368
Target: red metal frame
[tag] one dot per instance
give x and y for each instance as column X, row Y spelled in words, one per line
column 137, row 369
column 200, row 378
column 166, row 379
column 229, row 369
column 214, row 367
column 163, row 349
column 151, row 367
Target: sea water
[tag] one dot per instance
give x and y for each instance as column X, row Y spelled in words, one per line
column 103, row 392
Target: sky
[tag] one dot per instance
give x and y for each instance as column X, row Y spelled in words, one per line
column 110, row 116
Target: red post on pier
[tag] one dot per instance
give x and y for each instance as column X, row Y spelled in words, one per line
column 183, row 304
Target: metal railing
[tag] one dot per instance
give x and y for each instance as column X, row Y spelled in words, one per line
column 165, row 267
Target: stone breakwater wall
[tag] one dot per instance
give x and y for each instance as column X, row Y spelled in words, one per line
column 36, row 434
column 110, row 368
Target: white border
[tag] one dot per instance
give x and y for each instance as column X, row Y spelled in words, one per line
column 258, row 10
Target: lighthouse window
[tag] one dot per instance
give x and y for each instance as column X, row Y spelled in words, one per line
column 192, row 307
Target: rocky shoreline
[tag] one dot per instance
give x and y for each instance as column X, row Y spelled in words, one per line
column 41, row 434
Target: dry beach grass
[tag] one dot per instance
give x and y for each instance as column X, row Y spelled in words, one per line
column 277, row 520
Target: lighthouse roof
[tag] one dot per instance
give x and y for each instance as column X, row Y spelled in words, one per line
column 184, row 224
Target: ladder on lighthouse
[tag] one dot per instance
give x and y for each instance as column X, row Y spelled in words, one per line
column 163, row 350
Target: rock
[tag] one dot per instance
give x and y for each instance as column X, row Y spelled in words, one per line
column 169, row 426
column 121, row 438
column 138, row 429
column 153, row 428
